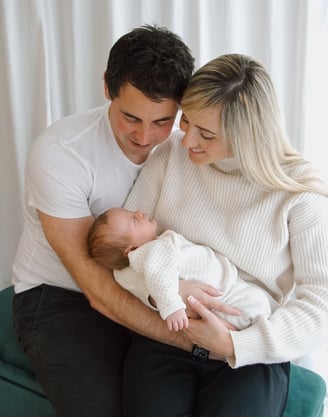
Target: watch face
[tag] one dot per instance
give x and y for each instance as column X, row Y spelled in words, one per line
column 199, row 354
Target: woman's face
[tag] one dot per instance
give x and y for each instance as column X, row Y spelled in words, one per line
column 203, row 136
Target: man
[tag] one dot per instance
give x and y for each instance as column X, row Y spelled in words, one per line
column 67, row 306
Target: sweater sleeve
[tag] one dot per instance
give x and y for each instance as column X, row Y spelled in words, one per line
column 301, row 324
column 158, row 262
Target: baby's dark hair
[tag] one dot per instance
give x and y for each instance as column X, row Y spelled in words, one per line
column 152, row 59
column 105, row 248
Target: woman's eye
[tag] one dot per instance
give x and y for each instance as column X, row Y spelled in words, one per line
column 206, row 136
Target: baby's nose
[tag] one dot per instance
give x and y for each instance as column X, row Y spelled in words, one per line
column 139, row 213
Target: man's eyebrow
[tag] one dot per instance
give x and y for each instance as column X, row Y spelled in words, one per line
column 163, row 119
column 129, row 115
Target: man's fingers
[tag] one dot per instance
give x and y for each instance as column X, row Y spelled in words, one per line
column 217, row 306
column 228, row 325
column 208, row 289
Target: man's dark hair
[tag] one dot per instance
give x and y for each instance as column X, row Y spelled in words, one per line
column 152, row 59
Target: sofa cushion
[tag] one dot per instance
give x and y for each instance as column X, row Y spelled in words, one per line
column 15, row 366
column 306, row 394
column 17, row 401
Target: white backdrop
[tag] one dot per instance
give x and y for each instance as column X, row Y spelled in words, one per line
column 53, row 54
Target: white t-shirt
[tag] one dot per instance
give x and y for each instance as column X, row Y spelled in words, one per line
column 75, row 169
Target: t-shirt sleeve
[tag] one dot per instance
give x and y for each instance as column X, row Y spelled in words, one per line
column 58, row 180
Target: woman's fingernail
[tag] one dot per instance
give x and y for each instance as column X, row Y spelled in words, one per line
column 191, row 299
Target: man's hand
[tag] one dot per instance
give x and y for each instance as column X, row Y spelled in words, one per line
column 206, row 295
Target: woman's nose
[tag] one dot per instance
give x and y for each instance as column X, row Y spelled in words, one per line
column 188, row 140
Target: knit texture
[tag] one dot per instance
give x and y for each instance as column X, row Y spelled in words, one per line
column 170, row 257
column 278, row 240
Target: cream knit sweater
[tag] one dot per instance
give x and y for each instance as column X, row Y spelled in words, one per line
column 277, row 240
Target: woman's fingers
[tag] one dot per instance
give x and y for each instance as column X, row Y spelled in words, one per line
column 209, row 331
column 203, row 312
column 198, row 307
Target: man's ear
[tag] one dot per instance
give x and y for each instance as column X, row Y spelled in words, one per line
column 106, row 91
column 128, row 249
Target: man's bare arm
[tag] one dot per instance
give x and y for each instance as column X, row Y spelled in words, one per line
column 68, row 239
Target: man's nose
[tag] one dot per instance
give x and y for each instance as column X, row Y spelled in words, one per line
column 144, row 135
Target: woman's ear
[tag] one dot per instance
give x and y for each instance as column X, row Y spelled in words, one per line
column 128, row 249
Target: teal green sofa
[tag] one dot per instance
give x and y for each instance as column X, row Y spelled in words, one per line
column 20, row 393
column 22, row 396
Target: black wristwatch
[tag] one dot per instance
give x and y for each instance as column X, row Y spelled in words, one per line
column 199, row 354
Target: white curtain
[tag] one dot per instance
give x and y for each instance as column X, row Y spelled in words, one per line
column 54, row 52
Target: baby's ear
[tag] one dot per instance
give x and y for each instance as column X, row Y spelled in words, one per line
column 128, row 249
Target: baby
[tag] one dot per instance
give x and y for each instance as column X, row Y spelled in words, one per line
column 150, row 266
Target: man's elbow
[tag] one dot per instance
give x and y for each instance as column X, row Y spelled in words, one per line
column 97, row 304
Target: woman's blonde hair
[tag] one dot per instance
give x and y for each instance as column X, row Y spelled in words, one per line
column 251, row 122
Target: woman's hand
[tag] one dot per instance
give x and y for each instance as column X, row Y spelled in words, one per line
column 207, row 295
column 209, row 331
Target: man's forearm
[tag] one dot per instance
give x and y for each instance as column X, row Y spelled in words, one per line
column 124, row 308
column 68, row 238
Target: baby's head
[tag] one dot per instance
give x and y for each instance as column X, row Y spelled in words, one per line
column 116, row 232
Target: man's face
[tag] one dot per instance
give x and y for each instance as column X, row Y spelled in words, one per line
column 138, row 123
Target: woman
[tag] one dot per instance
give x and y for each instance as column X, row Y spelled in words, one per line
column 233, row 182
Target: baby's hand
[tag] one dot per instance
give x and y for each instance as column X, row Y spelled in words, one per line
column 177, row 320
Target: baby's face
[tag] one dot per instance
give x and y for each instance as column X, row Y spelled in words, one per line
column 135, row 226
